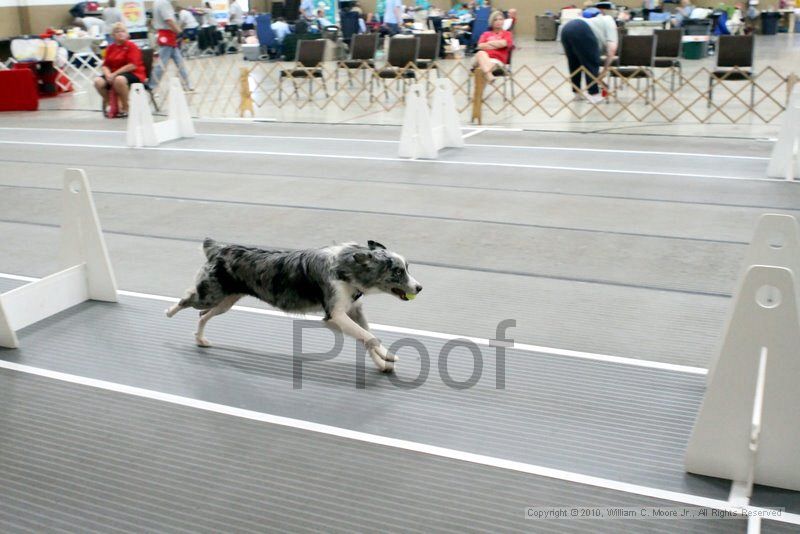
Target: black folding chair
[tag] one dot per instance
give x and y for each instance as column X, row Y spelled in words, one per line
column 400, row 62
column 734, row 63
column 668, row 52
column 310, row 55
column 636, row 58
column 362, row 57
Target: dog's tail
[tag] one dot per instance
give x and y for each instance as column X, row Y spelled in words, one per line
column 211, row 248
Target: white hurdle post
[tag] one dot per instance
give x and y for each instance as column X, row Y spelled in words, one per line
column 444, row 116
column 747, row 428
column 87, row 272
column 144, row 131
column 776, row 242
column 416, row 135
column 785, row 159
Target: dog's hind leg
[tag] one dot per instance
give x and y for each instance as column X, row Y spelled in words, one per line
column 225, row 305
column 187, row 301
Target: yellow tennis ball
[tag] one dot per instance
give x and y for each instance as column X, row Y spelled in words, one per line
column 410, row 296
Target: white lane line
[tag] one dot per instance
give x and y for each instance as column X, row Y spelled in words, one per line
column 470, row 134
column 474, row 132
column 617, row 151
column 375, row 439
column 390, row 159
column 606, row 358
column 739, row 495
column 233, row 120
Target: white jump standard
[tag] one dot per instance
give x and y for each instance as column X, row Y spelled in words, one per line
column 144, row 131
column 785, row 159
column 747, row 428
column 425, row 130
column 87, row 270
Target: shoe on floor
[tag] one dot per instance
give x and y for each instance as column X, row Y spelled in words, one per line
column 595, row 99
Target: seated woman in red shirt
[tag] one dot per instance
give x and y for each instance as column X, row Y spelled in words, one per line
column 122, row 66
column 494, row 46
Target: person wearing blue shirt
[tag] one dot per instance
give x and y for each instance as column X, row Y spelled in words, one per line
column 307, row 9
column 393, row 15
column 459, row 10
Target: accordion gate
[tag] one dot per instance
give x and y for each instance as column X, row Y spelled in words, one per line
column 228, row 86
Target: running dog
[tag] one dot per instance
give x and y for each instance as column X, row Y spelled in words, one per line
column 332, row 279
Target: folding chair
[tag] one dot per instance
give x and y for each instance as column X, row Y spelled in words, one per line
column 310, row 54
column 668, row 50
column 636, row 57
column 500, row 71
column 400, row 60
column 735, row 56
column 362, row 56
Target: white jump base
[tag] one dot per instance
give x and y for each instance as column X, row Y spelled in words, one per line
column 144, row 131
column 87, row 272
column 426, row 130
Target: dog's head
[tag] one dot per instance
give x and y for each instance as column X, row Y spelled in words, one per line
column 374, row 268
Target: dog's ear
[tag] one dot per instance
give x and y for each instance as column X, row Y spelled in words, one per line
column 362, row 258
column 374, row 244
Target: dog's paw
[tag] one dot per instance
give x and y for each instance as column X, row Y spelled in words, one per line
column 388, row 367
column 202, row 342
column 384, row 354
column 169, row 312
column 376, row 358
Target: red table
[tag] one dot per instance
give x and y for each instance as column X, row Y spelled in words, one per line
column 18, row 90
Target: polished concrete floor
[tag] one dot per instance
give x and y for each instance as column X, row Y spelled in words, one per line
column 597, row 245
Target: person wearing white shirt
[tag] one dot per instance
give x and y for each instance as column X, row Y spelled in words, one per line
column 187, row 19
column 585, row 40
column 236, row 13
column 94, row 26
column 322, row 22
column 281, row 29
column 111, row 15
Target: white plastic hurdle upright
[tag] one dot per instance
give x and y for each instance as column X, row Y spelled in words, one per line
column 748, row 428
column 425, row 130
column 444, row 116
column 144, row 131
column 785, row 159
column 416, row 134
column 87, row 272
column 776, row 242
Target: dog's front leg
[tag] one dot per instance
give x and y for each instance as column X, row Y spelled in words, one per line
column 356, row 313
column 380, row 356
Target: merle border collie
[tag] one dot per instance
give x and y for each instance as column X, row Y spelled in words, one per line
column 331, row 279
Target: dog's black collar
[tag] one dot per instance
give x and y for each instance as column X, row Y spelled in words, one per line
column 357, row 295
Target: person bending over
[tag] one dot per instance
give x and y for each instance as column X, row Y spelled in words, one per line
column 584, row 41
